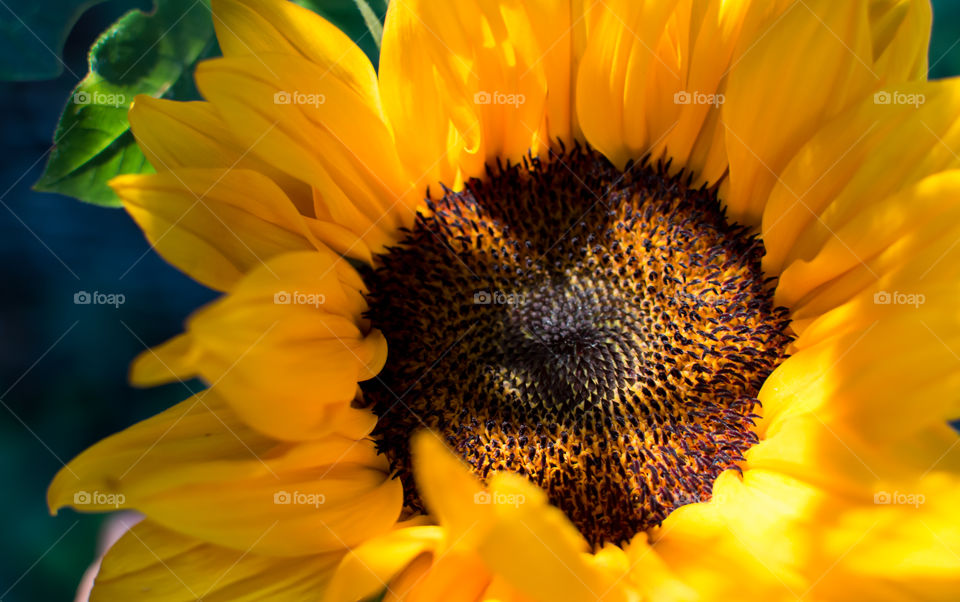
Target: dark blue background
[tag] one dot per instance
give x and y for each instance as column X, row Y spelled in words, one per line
column 63, row 366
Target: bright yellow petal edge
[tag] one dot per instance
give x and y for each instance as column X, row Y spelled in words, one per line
column 821, row 132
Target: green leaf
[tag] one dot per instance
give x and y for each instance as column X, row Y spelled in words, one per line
column 362, row 20
column 32, row 34
column 141, row 53
column 156, row 55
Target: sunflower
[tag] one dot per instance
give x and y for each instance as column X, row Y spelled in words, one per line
column 565, row 301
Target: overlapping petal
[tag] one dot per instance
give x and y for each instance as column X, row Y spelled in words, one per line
column 286, row 348
column 200, row 471
column 165, row 566
column 218, row 224
column 499, row 78
column 177, row 135
column 773, row 87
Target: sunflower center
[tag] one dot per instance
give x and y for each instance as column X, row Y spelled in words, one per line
column 602, row 333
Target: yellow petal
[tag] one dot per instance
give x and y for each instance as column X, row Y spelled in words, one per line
column 618, row 63
column 881, row 146
column 218, row 224
column 800, row 540
column 903, row 268
column 899, row 244
column 367, row 569
column 448, row 489
column 300, row 118
column 512, row 528
column 850, row 464
column 901, row 38
column 176, row 134
column 812, row 62
column 648, row 573
column 197, row 469
column 257, row 27
column 652, row 82
column 888, row 380
column 711, row 547
column 286, row 347
column 528, row 527
column 500, row 590
column 490, row 68
column 150, row 561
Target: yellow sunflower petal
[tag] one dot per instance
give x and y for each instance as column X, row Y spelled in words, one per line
column 447, row 488
column 500, row 590
column 300, row 118
column 910, row 270
column 901, row 38
column 508, row 527
column 191, row 134
column 286, row 347
column 801, row 90
column 818, row 526
column 651, row 82
column 490, row 68
column 456, row 576
column 367, row 569
column 847, row 380
column 795, row 540
column 841, row 169
column 217, row 225
column 744, row 531
column 402, row 587
column 257, row 27
column 647, row 572
column 901, row 245
column 197, row 469
column 850, row 464
column 153, row 562
column 619, row 62
column 527, row 526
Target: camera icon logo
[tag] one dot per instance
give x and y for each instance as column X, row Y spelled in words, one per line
column 282, row 497
column 882, row 98
column 682, row 98
column 482, row 98
column 82, row 298
column 882, row 497
column 482, row 497
column 482, row 298
column 282, row 298
column 81, row 498
column 81, row 98
column 882, row 298
column 282, row 98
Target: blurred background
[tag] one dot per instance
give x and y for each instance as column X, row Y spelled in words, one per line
column 63, row 366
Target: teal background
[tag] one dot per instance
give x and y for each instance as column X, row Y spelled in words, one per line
column 63, row 366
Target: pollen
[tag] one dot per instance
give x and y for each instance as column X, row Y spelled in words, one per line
column 603, row 333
